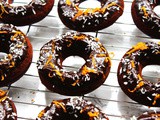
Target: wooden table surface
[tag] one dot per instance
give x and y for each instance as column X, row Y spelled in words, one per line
column 30, row 96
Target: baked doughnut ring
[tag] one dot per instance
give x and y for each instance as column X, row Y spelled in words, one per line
column 35, row 11
column 89, row 77
column 7, row 108
column 130, row 73
column 90, row 19
column 15, row 54
column 72, row 109
column 145, row 18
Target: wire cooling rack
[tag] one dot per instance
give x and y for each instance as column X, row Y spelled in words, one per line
column 30, row 96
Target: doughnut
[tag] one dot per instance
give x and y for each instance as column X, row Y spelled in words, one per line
column 15, row 54
column 149, row 116
column 130, row 73
column 91, row 19
column 7, row 108
column 21, row 15
column 72, row 109
column 89, row 77
column 145, row 18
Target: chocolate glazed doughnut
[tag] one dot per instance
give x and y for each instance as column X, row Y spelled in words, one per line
column 72, row 109
column 15, row 54
column 90, row 19
column 35, row 11
column 145, row 18
column 7, row 108
column 89, row 77
column 130, row 73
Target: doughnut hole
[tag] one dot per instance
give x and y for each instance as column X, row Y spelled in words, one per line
column 73, row 63
column 17, row 3
column 90, row 4
column 151, row 73
column 157, row 9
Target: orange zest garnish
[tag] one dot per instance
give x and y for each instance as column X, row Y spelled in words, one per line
column 58, row 73
column 41, row 113
column 108, row 59
column 9, row 56
column 155, row 99
column 52, row 65
column 69, row 43
column 89, row 10
column 2, row 77
column 103, row 49
column 93, row 114
column 50, row 74
column 139, row 77
column 96, row 39
column 79, row 13
column 158, row 52
column 101, row 55
column 68, row 2
column 12, row 64
column 145, row 11
column 132, row 64
column 58, row 104
column 86, row 70
column 139, row 46
column 3, row 98
column 2, row 93
column 49, row 59
column 3, row 32
column 140, row 84
column 81, row 37
column 84, row 109
column 17, row 33
column 2, row 10
column 74, row 84
column 111, row 55
column 156, row 115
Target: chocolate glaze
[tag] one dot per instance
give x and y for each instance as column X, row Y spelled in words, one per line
column 90, row 76
column 91, row 20
column 35, row 11
column 16, row 54
column 72, row 109
column 145, row 18
column 130, row 73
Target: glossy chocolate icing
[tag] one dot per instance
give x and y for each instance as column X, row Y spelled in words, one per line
column 90, row 19
column 35, row 11
column 130, row 73
column 91, row 75
column 145, row 18
column 16, row 54
column 72, row 109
